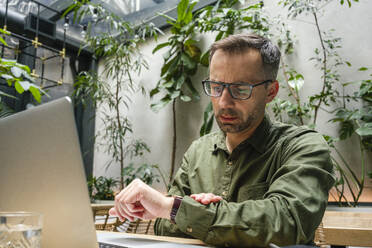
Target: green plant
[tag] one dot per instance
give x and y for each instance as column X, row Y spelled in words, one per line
column 180, row 64
column 119, row 46
column 102, row 188
column 17, row 76
column 352, row 121
column 145, row 172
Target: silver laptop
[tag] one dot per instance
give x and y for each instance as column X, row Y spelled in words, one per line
column 41, row 170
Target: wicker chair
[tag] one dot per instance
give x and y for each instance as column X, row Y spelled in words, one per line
column 141, row 227
column 106, row 223
column 102, row 219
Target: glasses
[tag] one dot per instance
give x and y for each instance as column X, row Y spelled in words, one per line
column 240, row 91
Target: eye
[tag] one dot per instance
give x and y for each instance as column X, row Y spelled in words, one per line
column 241, row 90
column 216, row 88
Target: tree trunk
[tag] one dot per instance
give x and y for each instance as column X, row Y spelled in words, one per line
column 174, row 145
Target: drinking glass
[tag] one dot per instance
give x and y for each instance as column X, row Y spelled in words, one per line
column 20, row 230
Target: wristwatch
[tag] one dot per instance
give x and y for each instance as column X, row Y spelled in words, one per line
column 175, row 207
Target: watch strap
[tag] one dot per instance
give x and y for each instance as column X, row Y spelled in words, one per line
column 175, row 207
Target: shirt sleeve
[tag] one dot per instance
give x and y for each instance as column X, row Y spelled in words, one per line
column 179, row 187
column 289, row 213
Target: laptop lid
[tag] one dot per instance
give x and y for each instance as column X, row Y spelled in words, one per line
column 41, row 170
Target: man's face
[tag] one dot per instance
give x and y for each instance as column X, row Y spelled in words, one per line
column 232, row 115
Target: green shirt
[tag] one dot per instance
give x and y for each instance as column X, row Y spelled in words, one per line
column 274, row 186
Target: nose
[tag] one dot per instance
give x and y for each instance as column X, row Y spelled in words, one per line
column 225, row 100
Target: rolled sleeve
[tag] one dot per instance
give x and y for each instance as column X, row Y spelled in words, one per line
column 194, row 218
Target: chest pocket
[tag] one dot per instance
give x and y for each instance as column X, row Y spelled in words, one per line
column 252, row 192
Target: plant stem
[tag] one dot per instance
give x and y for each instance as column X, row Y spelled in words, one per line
column 324, row 67
column 294, row 93
column 363, row 170
column 161, row 175
column 344, row 176
column 117, row 108
column 354, row 177
column 174, row 147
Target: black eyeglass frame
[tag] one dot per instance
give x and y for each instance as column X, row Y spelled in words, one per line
column 227, row 85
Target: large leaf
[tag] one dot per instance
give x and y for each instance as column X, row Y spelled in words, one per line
column 163, row 102
column 188, row 16
column 17, row 72
column 180, row 82
column 2, row 93
column 208, row 120
column 7, row 76
column 347, row 129
column 35, row 93
column 18, row 87
column 154, row 92
column 4, row 32
column 366, row 130
column 185, row 98
column 25, row 85
column 296, row 82
column 182, row 9
column 193, row 51
column 168, row 84
column 160, row 46
column 204, row 60
column 175, row 94
column 188, row 62
column 169, row 67
column 191, row 87
column 24, row 67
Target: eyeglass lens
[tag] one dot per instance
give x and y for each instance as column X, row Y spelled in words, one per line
column 236, row 91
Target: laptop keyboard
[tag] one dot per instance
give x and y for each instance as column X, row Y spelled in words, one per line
column 105, row 245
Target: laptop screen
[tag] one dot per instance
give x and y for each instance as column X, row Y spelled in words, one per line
column 41, row 170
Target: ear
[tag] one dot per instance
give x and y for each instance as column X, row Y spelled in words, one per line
column 272, row 91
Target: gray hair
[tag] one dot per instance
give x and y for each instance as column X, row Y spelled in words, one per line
column 239, row 43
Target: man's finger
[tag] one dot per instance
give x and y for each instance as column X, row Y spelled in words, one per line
column 125, row 211
column 112, row 212
column 117, row 211
column 207, row 198
column 122, row 209
column 216, row 198
column 200, row 197
column 136, row 207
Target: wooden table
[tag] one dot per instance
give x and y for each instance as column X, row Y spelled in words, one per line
column 348, row 228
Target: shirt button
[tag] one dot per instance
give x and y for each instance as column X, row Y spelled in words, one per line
column 230, row 163
column 189, row 229
column 224, row 193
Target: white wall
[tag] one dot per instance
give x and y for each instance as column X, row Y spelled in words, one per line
column 352, row 24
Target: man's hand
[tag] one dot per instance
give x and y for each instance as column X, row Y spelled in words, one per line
column 138, row 200
column 206, row 198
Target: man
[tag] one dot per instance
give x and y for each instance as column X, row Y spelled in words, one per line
column 253, row 182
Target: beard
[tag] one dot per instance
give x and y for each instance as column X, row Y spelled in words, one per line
column 241, row 123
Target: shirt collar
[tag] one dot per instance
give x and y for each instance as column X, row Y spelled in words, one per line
column 258, row 139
